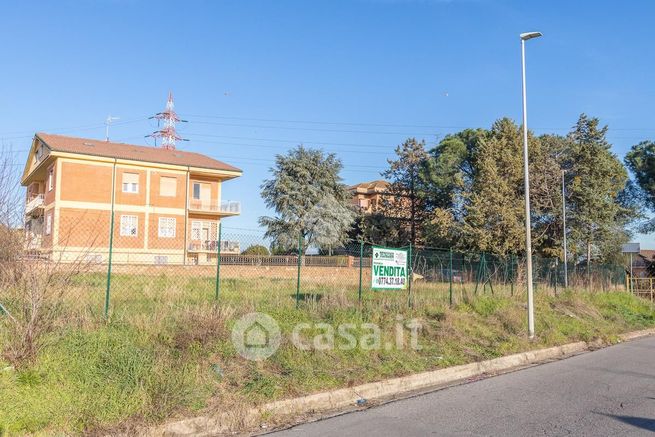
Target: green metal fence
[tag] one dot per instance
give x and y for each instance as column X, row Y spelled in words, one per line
column 130, row 266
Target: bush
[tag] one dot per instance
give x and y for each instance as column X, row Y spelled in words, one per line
column 256, row 249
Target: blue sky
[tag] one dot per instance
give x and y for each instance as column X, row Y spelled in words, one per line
column 255, row 78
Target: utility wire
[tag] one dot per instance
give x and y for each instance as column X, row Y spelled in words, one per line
column 30, row 134
column 383, row 124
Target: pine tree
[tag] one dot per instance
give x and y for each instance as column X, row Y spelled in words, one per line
column 406, row 201
column 595, row 214
column 493, row 209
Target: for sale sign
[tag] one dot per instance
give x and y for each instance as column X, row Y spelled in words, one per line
column 389, row 269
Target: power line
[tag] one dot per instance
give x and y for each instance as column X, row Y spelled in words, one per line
column 315, row 129
column 368, row 132
column 326, row 146
column 337, row 123
column 296, row 141
column 30, row 134
column 383, row 124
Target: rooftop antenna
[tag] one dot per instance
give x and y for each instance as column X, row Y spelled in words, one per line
column 108, row 122
column 167, row 133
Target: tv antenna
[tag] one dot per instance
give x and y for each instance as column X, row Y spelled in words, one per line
column 108, row 122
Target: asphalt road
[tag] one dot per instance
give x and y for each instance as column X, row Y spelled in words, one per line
column 609, row 392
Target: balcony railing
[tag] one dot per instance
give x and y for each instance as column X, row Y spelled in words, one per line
column 225, row 207
column 211, row 246
column 35, row 202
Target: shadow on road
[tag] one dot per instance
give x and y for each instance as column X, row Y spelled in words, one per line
column 638, row 422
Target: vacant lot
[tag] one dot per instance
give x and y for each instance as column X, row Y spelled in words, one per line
column 165, row 350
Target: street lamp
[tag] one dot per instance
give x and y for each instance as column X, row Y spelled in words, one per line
column 528, row 233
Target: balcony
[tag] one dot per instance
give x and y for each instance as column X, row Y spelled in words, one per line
column 226, row 208
column 211, row 246
column 33, row 242
column 34, row 203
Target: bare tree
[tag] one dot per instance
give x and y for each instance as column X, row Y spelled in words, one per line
column 32, row 289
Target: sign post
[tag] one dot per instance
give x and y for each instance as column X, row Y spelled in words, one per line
column 631, row 248
column 389, row 269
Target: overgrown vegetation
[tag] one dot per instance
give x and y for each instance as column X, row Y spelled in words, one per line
column 467, row 193
column 166, row 350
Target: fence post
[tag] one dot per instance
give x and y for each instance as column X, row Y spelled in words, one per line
column 511, row 274
column 298, row 276
column 556, row 273
column 478, row 274
column 218, row 263
column 409, row 277
column 111, row 251
column 450, row 278
column 627, row 284
column 361, row 259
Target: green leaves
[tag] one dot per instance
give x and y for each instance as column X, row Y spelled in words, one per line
column 641, row 162
column 468, row 191
column 309, row 198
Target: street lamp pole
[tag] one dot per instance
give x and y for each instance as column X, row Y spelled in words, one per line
column 566, row 272
column 526, row 175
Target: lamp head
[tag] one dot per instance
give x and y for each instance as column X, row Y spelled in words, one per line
column 529, row 35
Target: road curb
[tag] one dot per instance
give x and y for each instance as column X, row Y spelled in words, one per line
column 389, row 389
column 637, row 334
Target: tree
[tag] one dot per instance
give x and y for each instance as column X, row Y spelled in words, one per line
column 547, row 158
column 597, row 178
column 406, row 201
column 256, row 249
column 450, row 169
column 463, row 172
column 641, row 162
column 449, row 178
column 375, row 228
column 494, row 214
column 310, row 200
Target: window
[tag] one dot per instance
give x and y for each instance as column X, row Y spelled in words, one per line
column 51, row 178
column 166, row 227
column 195, row 230
column 167, row 186
column 196, row 190
column 129, row 225
column 130, row 182
column 48, row 223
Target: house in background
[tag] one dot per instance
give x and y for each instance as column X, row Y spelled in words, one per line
column 367, row 196
column 642, row 262
column 166, row 204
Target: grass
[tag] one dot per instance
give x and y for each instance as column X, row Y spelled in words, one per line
column 166, row 350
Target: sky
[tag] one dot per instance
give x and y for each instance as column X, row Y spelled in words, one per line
column 256, row 78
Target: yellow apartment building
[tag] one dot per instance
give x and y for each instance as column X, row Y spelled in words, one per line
column 166, row 204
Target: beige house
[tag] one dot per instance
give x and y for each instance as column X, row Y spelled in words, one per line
column 166, row 204
column 367, row 196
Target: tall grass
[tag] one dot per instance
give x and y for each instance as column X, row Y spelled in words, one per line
column 166, row 350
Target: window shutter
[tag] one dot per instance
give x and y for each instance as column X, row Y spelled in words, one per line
column 167, row 186
column 130, row 178
column 130, row 182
